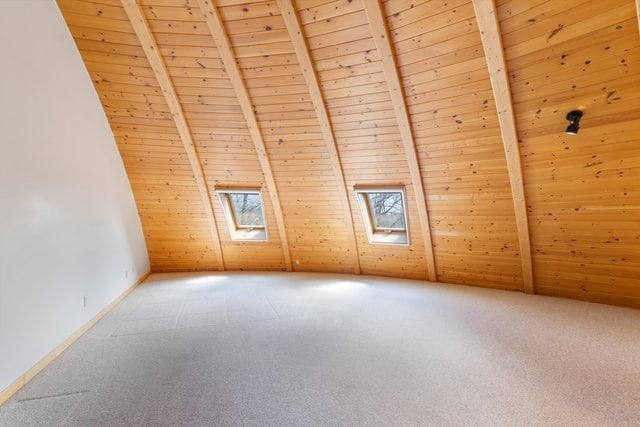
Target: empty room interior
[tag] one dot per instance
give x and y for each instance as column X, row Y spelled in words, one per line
column 319, row 212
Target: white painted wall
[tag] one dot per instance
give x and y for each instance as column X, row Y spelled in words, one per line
column 68, row 222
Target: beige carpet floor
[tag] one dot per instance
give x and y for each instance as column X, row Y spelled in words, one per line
column 308, row 349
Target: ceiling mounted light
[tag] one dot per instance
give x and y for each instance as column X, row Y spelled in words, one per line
column 574, row 122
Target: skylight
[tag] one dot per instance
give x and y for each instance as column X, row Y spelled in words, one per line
column 244, row 214
column 383, row 211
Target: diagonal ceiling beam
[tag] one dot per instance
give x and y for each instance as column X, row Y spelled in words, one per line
column 638, row 13
column 494, row 53
column 150, row 47
column 383, row 44
column 216, row 27
column 292, row 22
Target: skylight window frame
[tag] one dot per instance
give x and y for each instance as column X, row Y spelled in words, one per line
column 242, row 232
column 383, row 235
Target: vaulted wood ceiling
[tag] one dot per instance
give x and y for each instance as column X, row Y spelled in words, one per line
column 308, row 98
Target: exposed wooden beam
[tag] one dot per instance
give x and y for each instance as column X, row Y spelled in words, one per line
column 380, row 33
column 216, row 27
column 292, row 22
column 638, row 14
column 494, row 53
column 150, row 47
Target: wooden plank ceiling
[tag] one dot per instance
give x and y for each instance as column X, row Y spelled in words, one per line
column 306, row 99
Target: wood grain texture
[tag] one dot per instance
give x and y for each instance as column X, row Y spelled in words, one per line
column 300, row 159
column 387, row 57
column 216, row 27
column 460, row 150
column 493, row 51
column 150, row 47
column 171, row 209
column 638, row 14
column 369, row 141
column 291, row 20
column 219, row 130
column 581, row 195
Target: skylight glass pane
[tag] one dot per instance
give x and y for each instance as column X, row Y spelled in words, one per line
column 247, row 208
column 387, row 210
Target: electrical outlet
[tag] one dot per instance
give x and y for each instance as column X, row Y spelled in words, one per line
column 85, row 299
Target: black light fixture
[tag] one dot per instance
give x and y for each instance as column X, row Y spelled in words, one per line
column 574, row 122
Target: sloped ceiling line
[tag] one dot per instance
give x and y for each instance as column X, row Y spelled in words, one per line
column 304, row 58
column 494, row 54
column 150, row 47
column 380, row 34
column 216, row 28
column 638, row 14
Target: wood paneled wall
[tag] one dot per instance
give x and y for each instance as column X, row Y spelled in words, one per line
column 173, row 216
column 366, row 129
column 445, row 76
column 582, row 192
column 219, row 129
